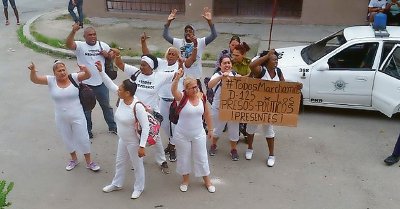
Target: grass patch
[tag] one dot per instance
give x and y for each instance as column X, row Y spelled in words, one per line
column 68, row 17
column 34, row 47
column 57, row 43
column 208, row 56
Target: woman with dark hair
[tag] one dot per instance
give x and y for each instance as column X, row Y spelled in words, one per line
column 69, row 116
column 240, row 63
column 149, row 82
column 130, row 147
column 233, row 127
column 234, row 41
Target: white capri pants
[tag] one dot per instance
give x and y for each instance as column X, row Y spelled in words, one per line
column 267, row 129
column 166, row 125
column 191, row 148
column 233, row 127
column 73, row 130
column 128, row 151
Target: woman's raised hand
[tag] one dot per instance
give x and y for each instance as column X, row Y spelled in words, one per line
column 32, row 67
column 98, row 66
column 172, row 16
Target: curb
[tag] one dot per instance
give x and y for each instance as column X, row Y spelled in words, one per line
column 69, row 53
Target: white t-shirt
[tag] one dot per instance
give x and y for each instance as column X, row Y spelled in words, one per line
column 217, row 95
column 87, row 55
column 66, row 100
column 190, row 119
column 377, row 3
column 125, row 118
column 195, row 71
column 148, row 86
column 165, row 91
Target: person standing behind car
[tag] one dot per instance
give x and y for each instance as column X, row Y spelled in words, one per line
column 374, row 7
column 87, row 53
column 393, row 12
column 190, row 137
column 78, row 4
column 130, row 146
column 265, row 68
column 186, row 45
column 69, row 116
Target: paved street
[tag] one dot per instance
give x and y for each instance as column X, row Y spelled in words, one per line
column 332, row 160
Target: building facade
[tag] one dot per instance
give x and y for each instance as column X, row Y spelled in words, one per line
column 325, row 12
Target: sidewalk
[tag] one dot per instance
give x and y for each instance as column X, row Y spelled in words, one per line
column 126, row 33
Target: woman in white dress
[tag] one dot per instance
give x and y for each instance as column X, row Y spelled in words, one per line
column 69, row 116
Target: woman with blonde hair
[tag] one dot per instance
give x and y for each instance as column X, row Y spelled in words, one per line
column 69, row 116
column 189, row 134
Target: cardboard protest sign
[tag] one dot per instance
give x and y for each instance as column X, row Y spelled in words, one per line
column 250, row 100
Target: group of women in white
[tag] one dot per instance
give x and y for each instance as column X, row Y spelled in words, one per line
column 156, row 83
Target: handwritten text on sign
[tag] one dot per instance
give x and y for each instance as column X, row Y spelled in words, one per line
column 250, row 100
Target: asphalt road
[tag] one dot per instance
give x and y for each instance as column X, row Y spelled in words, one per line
column 333, row 159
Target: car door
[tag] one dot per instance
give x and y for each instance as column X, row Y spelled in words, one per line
column 347, row 79
column 386, row 91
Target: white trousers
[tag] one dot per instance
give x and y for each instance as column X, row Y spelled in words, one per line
column 128, row 151
column 267, row 129
column 188, row 149
column 73, row 131
column 166, row 125
column 233, row 127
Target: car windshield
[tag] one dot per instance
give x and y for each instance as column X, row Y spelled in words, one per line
column 315, row 51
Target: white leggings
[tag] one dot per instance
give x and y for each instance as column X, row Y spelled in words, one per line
column 73, row 131
column 233, row 127
column 188, row 149
column 128, row 151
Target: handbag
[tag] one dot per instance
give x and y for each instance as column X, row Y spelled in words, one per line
column 86, row 94
column 109, row 68
column 155, row 120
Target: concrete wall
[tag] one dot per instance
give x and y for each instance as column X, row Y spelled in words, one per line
column 322, row 12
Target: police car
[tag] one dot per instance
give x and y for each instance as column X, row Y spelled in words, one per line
column 356, row 68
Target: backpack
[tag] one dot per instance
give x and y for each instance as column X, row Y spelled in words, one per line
column 176, row 107
column 264, row 70
column 155, row 120
column 86, row 94
column 109, row 66
column 210, row 92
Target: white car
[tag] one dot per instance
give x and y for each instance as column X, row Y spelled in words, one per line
column 356, row 68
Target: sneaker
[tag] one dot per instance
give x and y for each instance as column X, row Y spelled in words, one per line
column 211, row 189
column 271, row 161
column 136, row 194
column 392, row 159
column 213, row 150
column 183, row 187
column 234, row 155
column 172, row 155
column 249, row 154
column 93, row 166
column 90, row 135
column 112, row 131
column 111, row 188
column 167, row 149
column 18, row 23
column 7, row 22
column 164, row 168
column 72, row 164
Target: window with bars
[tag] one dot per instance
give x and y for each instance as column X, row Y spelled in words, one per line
column 146, row 6
column 258, row 8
